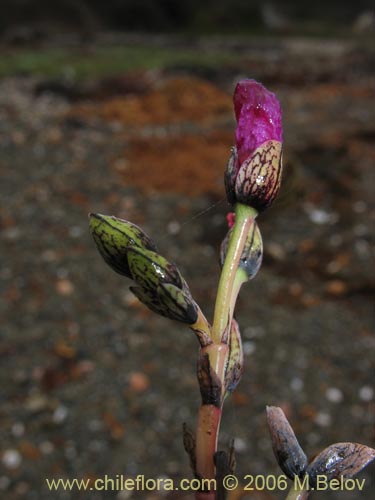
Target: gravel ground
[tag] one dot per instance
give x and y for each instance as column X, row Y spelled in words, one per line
column 94, row 384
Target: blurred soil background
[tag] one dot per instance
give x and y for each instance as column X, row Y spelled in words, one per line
column 125, row 108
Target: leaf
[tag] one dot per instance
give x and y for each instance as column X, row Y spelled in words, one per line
column 209, row 383
column 234, row 368
column 288, row 452
column 113, row 237
column 340, row 459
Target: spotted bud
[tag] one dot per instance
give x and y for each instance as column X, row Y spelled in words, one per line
column 259, row 177
column 253, row 172
column 113, row 237
column 161, row 286
column 130, row 252
column 252, row 254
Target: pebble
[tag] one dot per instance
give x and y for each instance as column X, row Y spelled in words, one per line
column 173, row 227
column 320, row 217
column 12, row 459
column 359, row 207
column 366, row 393
column 336, row 288
column 138, row 382
column 18, row 429
column 64, row 287
column 60, row 414
column 323, row 419
column 334, row 395
column 36, row 403
column 249, row 348
column 296, row 384
column 240, row 445
column 46, row 447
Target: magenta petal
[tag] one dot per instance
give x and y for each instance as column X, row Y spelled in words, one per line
column 258, row 115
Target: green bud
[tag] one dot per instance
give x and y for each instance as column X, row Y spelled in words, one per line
column 252, row 254
column 162, row 287
column 130, row 252
column 168, row 301
column 179, row 303
column 149, row 269
column 113, row 237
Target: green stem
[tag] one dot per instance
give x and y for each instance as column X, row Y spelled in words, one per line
column 297, row 494
column 222, row 318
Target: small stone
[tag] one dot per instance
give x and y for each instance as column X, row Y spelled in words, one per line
column 334, row 395
column 64, row 287
column 359, row 207
column 323, row 419
column 46, row 447
column 276, row 251
column 321, row 217
column 18, row 429
column 174, row 227
column 336, row 288
column 296, row 384
column 29, row 450
column 49, row 255
column 366, row 393
column 138, row 382
column 60, row 414
column 11, row 459
column 240, row 445
column 36, row 402
column 249, row 347
column 63, row 350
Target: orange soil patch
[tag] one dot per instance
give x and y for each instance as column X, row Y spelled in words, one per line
column 191, row 164
column 175, row 100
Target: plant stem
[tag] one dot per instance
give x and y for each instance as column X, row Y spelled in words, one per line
column 230, row 282
column 297, row 494
column 245, row 216
column 209, row 417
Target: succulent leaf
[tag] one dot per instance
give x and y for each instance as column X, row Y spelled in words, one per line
column 234, row 369
column 340, row 459
column 288, row 452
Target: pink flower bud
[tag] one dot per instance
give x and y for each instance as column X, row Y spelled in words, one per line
column 253, row 173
